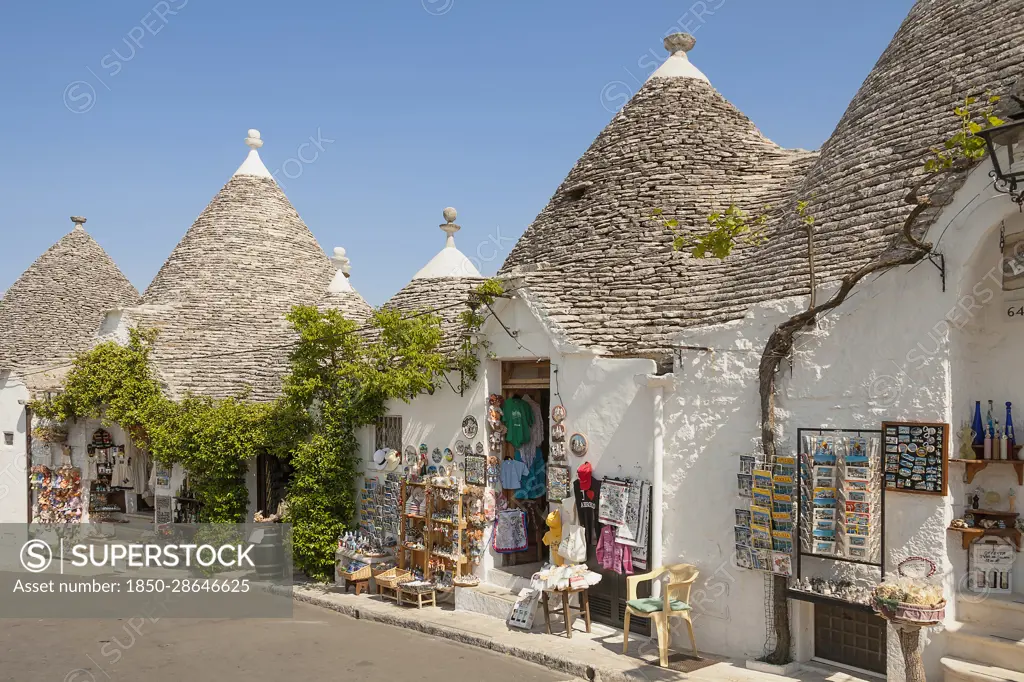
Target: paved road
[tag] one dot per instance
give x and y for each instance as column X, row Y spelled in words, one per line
column 316, row 644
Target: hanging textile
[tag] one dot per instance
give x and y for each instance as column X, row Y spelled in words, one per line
column 510, row 532
column 629, row 531
column 613, row 556
column 639, row 552
column 587, row 494
column 518, row 417
column 614, row 500
column 531, row 446
column 534, row 483
column 512, row 473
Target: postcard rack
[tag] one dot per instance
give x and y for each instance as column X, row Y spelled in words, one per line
column 858, row 489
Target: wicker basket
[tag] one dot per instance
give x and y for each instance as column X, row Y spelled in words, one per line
column 392, row 577
column 411, row 588
column 910, row 614
column 363, row 573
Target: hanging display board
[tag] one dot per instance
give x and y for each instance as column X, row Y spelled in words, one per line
column 841, row 495
column 916, row 457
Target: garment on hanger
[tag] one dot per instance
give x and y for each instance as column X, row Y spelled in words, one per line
column 534, row 483
column 613, row 556
column 512, row 472
column 518, row 417
column 587, row 496
column 531, row 446
column 122, row 476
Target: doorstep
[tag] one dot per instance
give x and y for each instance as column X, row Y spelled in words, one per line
column 595, row 656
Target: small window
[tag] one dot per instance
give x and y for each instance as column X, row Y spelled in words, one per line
column 579, row 190
column 388, row 433
column 8, row 438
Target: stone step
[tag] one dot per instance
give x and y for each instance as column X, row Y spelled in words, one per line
column 508, row 580
column 957, row 670
column 489, row 600
column 996, row 610
column 1000, row 647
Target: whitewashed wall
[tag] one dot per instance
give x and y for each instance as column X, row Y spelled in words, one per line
column 14, row 463
column 899, row 349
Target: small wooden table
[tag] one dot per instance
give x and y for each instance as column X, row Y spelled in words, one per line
column 416, row 597
column 359, row 585
column 566, row 610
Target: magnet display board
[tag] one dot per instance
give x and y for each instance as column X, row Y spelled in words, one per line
column 916, row 457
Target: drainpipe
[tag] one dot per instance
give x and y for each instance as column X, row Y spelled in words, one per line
column 661, row 384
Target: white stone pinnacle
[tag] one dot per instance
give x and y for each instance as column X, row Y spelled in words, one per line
column 253, row 164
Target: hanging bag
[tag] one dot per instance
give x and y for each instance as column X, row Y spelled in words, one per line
column 573, row 546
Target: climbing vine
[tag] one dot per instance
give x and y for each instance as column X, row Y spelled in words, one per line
column 472, row 319
column 340, row 381
column 729, row 228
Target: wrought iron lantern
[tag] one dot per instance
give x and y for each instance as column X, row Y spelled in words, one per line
column 1005, row 145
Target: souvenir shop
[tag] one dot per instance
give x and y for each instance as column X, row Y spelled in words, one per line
column 516, row 492
column 96, row 476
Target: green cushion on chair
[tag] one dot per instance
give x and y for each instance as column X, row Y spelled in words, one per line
column 652, row 604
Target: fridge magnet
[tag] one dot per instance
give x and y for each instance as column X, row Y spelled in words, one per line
column 558, row 433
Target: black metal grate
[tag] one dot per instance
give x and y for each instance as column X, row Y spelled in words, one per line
column 850, row 637
column 388, row 433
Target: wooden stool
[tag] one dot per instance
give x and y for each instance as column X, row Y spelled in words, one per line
column 566, row 610
column 360, row 585
column 418, row 598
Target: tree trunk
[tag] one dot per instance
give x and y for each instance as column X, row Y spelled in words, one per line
column 910, row 645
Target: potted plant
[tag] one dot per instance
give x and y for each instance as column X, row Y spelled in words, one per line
column 911, row 602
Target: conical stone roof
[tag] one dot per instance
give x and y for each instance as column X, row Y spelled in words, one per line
column 944, row 51
column 606, row 279
column 341, row 295
column 220, row 300
column 442, row 287
column 54, row 309
column 604, row 274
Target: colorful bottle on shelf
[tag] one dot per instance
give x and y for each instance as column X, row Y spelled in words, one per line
column 988, row 418
column 999, row 443
column 988, row 442
column 1011, row 439
column 977, row 426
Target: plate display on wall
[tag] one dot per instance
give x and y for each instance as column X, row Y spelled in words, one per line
column 479, row 448
column 424, row 450
column 578, row 444
column 558, row 452
column 460, row 447
column 436, row 456
column 432, row 469
column 410, row 454
column 470, row 427
column 442, row 470
column 558, row 414
column 449, row 456
column 558, row 433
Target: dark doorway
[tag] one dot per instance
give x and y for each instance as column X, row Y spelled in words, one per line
column 850, row 637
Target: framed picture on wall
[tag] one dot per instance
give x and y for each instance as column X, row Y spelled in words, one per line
column 559, row 486
column 476, row 470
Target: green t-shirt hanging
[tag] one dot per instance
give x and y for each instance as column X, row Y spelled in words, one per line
column 518, row 417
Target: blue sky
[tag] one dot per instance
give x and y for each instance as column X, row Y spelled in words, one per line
column 133, row 112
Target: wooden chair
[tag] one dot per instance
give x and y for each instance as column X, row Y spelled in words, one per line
column 675, row 601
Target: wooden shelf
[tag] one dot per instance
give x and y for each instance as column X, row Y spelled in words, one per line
column 979, row 452
column 973, row 466
column 990, row 512
column 969, row 535
column 816, row 598
column 415, row 516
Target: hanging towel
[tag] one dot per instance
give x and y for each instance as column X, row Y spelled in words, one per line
column 510, row 532
column 629, row 531
column 613, row 556
column 639, row 552
column 614, row 499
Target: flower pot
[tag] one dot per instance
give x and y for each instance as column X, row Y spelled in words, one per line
column 910, row 614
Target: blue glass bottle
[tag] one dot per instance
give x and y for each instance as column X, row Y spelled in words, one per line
column 1009, row 431
column 977, row 426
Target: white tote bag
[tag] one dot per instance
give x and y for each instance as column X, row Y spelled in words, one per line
column 573, row 546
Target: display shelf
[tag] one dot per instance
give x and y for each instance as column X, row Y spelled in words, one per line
column 816, row 598
column 973, row 466
column 979, row 452
column 969, row 535
column 415, row 516
column 460, row 559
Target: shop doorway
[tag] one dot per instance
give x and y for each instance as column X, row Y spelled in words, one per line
column 849, row 637
column 529, row 379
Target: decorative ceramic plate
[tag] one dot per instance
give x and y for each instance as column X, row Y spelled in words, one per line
column 470, row 427
column 578, row 444
column 449, row 456
column 558, row 433
column 442, row 470
column 436, row 456
column 424, row 450
column 432, row 469
column 992, row 499
column 460, row 447
column 479, row 448
column 410, row 454
column 558, row 414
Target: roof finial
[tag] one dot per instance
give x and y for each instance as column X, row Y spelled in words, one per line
column 254, row 141
column 450, row 228
column 79, row 222
column 341, row 261
column 679, row 42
